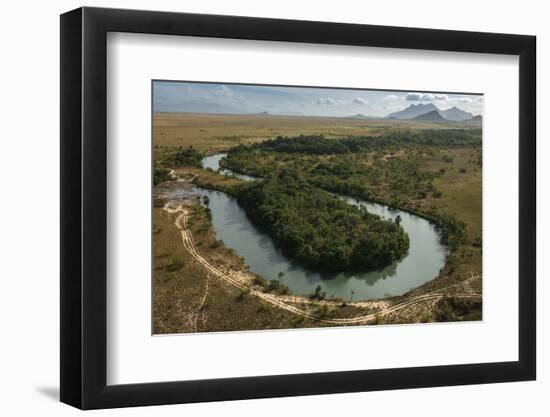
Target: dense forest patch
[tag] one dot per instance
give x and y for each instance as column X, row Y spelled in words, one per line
column 320, row 145
column 320, row 230
column 174, row 158
column 182, row 157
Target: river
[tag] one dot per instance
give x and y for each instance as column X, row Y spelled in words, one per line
column 423, row 262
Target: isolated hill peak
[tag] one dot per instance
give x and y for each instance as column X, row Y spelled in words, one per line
column 456, row 115
column 360, row 116
column 413, row 111
column 432, row 116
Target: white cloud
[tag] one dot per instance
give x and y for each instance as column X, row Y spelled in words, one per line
column 465, row 100
column 414, row 96
column 321, row 101
column 390, row 97
column 425, row 96
column 224, row 90
column 359, row 101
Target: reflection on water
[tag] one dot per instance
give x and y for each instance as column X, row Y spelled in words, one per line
column 213, row 162
column 425, row 258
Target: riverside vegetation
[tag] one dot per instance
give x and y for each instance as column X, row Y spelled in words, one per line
column 318, row 229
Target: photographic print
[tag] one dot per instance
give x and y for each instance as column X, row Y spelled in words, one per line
column 284, row 207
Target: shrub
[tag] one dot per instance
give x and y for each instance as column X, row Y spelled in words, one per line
column 242, row 295
column 276, row 287
column 455, row 309
column 259, row 280
column 159, row 203
column 177, row 263
column 161, row 175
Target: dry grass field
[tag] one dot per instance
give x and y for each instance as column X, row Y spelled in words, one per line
column 210, row 133
column 188, row 299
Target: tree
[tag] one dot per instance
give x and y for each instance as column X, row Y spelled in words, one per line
column 281, row 275
column 318, row 294
column 318, row 290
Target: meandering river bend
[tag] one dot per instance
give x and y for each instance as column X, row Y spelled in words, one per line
column 423, row 262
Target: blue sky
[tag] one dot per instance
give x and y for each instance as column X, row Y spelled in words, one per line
column 219, row 98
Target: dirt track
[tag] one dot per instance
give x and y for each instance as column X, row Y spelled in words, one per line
column 281, row 301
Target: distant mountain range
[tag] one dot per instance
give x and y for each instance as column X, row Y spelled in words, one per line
column 421, row 112
column 430, row 112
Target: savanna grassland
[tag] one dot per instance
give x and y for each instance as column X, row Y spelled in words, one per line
column 430, row 169
column 211, row 133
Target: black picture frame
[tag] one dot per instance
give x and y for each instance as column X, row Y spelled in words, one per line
column 84, row 207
